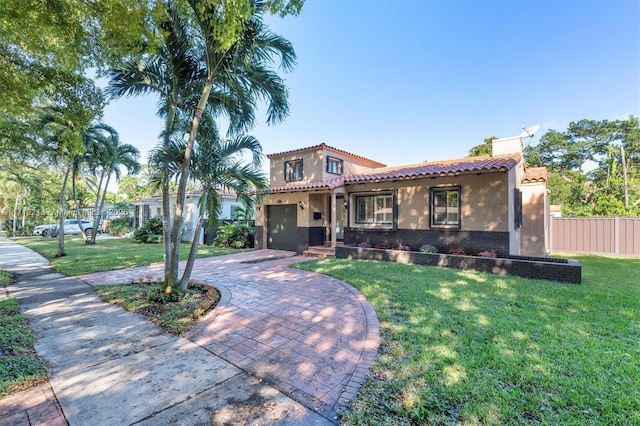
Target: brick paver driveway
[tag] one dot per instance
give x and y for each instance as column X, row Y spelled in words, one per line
column 311, row 336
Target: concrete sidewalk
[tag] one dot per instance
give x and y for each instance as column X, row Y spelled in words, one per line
column 112, row 367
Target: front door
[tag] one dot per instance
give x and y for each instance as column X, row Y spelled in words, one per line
column 339, row 221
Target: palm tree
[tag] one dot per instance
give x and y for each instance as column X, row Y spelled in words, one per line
column 94, row 138
column 192, row 73
column 242, row 70
column 63, row 135
column 108, row 157
column 217, row 165
column 170, row 74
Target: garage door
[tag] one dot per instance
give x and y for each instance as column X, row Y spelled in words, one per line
column 282, row 227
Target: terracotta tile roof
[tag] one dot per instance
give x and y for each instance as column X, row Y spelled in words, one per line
column 535, row 174
column 434, row 168
column 325, row 146
column 437, row 168
column 327, row 184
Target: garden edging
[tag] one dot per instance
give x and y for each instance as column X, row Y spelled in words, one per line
column 546, row 268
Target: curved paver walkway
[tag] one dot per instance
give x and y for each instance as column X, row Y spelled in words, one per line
column 311, row 336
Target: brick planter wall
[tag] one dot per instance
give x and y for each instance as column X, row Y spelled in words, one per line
column 445, row 239
column 554, row 269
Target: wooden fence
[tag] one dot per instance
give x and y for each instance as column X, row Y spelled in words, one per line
column 595, row 235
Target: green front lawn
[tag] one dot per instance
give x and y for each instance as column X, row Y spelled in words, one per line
column 463, row 347
column 107, row 254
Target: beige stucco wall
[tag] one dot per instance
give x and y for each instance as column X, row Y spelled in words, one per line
column 312, row 170
column 533, row 217
column 303, row 217
column 484, row 200
column 313, row 166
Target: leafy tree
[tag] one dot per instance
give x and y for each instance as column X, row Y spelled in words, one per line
column 593, row 166
column 485, row 148
column 136, row 187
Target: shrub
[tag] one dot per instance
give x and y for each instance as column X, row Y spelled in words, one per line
column 382, row 246
column 458, row 252
column 403, row 247
column 428, row 248
column 235, row 235
column 21, row 231
column 364, row 245
column 150, row 232
column 120, row 226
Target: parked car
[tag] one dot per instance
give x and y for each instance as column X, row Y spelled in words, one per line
column 70, row 228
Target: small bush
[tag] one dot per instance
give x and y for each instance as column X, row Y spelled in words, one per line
column 428, row 248
column 403, row 247
column 150, row 232
column 382, row 246
column 120, row 226
column 21, row 231
column 235, row 235
column 458, row 252
column 364, row 245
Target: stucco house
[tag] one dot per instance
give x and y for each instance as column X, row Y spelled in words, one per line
column 150, row 207
column 324, row 196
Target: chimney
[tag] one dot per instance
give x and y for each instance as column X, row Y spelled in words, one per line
column 506, row 146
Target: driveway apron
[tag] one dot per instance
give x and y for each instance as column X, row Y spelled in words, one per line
column 312, row 337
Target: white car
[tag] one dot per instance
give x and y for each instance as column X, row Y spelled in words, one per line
column 70, row 228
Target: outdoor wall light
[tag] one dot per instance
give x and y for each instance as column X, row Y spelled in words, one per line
column 301, row 205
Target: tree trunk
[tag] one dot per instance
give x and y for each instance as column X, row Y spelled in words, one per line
column 15, row 213
column 178, row 219
column 96, row 216
column 184, row 281
column 75, row 200
column 96, row 220
column 169, row 283
column 63, row 200
column 624, row 178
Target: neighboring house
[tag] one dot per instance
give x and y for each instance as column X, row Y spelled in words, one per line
column 325, row 196
column 151, row 207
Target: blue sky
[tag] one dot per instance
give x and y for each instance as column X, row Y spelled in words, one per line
column 407, row 81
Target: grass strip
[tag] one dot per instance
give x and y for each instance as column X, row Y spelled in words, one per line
column 20, row 366
column 107, row 254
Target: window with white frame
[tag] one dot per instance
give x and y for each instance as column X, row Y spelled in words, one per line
column 235, row 209
column 445, row 207
column 293, row 170
column 374, row 209
column 334, row 165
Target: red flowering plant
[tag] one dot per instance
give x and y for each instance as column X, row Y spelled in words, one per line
column 488, row 253
column 382, row 246
column 458, row 252
column 143, row 279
